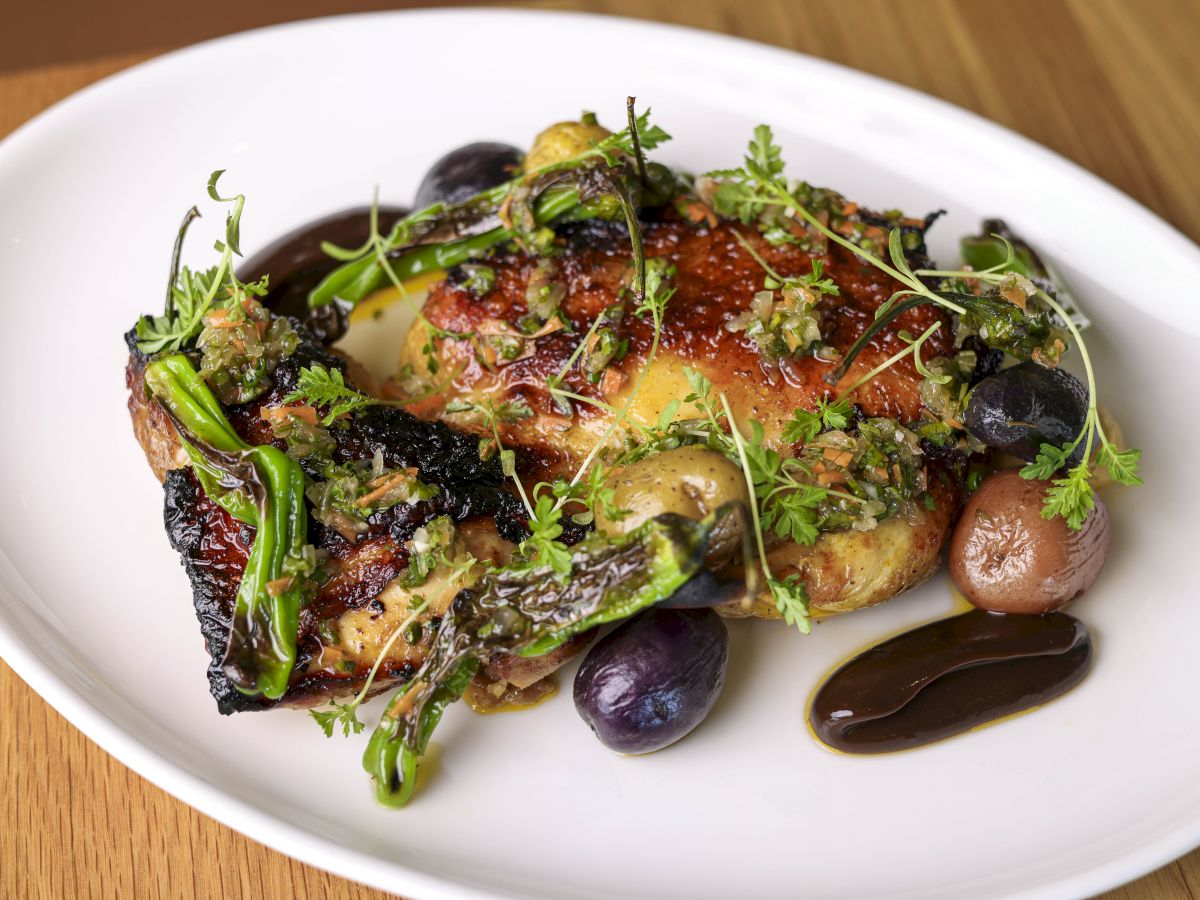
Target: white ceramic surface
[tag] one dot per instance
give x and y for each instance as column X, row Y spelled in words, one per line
column 94, row 609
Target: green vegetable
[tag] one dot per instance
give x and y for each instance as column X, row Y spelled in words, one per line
column 806, row 425
column 1022, row 334
column 357, row 280
column 529, row 612
column 365, row 271
column 263, row 487
column 997, row 248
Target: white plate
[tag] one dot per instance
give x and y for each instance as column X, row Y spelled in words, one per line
column 94, row 609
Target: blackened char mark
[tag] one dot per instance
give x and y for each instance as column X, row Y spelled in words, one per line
column 470, row 486
column 213, row 548
column 450, row 459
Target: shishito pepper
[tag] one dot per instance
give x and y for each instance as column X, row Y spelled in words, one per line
column 260, row 486
column 528, row 612
column 362, row 276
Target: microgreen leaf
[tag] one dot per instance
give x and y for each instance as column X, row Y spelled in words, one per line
column 318, row 386
column 1122, row 465
column 804, row 426
column 344, row 714
column 542, row 547
column 791, row 599
column 1070, row 497
column 1048, row 461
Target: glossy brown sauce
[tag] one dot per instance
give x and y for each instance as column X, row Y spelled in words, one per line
column 948, row 677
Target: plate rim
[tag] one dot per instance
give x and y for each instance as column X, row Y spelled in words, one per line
column 326, row 854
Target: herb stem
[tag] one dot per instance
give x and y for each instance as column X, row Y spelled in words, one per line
column 639, row 159
column 763, row 264
column 515, row 477
column 591, row 401
column 556, row 380
column 386, row 649
column 1092, row 421
column 788, row 201
column 656, row 313
column 740, row 446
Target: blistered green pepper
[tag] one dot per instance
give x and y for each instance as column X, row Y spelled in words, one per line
column 263, row 487
column 356, row 280
column 528, row 612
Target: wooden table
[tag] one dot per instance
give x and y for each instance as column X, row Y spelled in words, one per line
column 1111, row 84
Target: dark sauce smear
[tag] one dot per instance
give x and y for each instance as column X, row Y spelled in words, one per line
column 948, row 677
column 297, row 264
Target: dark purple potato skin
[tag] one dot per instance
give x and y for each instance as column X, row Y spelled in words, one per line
column 703, row 590
column 1019, row 409
column 464, row 172
column 653, row 679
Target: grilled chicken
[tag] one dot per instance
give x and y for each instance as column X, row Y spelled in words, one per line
column 715, row 280
column 358, row 607
column 345, row 628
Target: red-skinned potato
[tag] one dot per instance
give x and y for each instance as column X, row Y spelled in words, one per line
column 1004, row 557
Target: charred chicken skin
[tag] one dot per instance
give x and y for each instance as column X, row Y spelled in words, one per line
column 362, row 598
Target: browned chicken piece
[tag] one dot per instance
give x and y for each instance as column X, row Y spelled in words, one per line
column 716, row 279
column 352, row 620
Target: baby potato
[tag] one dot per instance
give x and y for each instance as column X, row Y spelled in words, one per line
column 1004, row 557
column 688, row 481
column 562, row 141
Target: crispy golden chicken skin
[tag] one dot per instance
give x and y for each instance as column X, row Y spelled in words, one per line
column 715, row 280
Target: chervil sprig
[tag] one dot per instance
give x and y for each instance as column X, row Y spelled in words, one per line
column 343, row 714
column 591, row 494
column 805, row 426
column 640, row 135
column 319, row 386
column 543, row 546
column 789, row 594
column 1071, row 497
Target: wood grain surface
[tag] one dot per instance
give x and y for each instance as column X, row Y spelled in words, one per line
column 1111, row 84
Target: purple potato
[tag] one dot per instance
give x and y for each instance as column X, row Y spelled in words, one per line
column 653, row 679
column 1019, row 409
column 464, row 172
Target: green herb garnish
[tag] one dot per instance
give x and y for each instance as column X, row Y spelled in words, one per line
column 191, row 295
